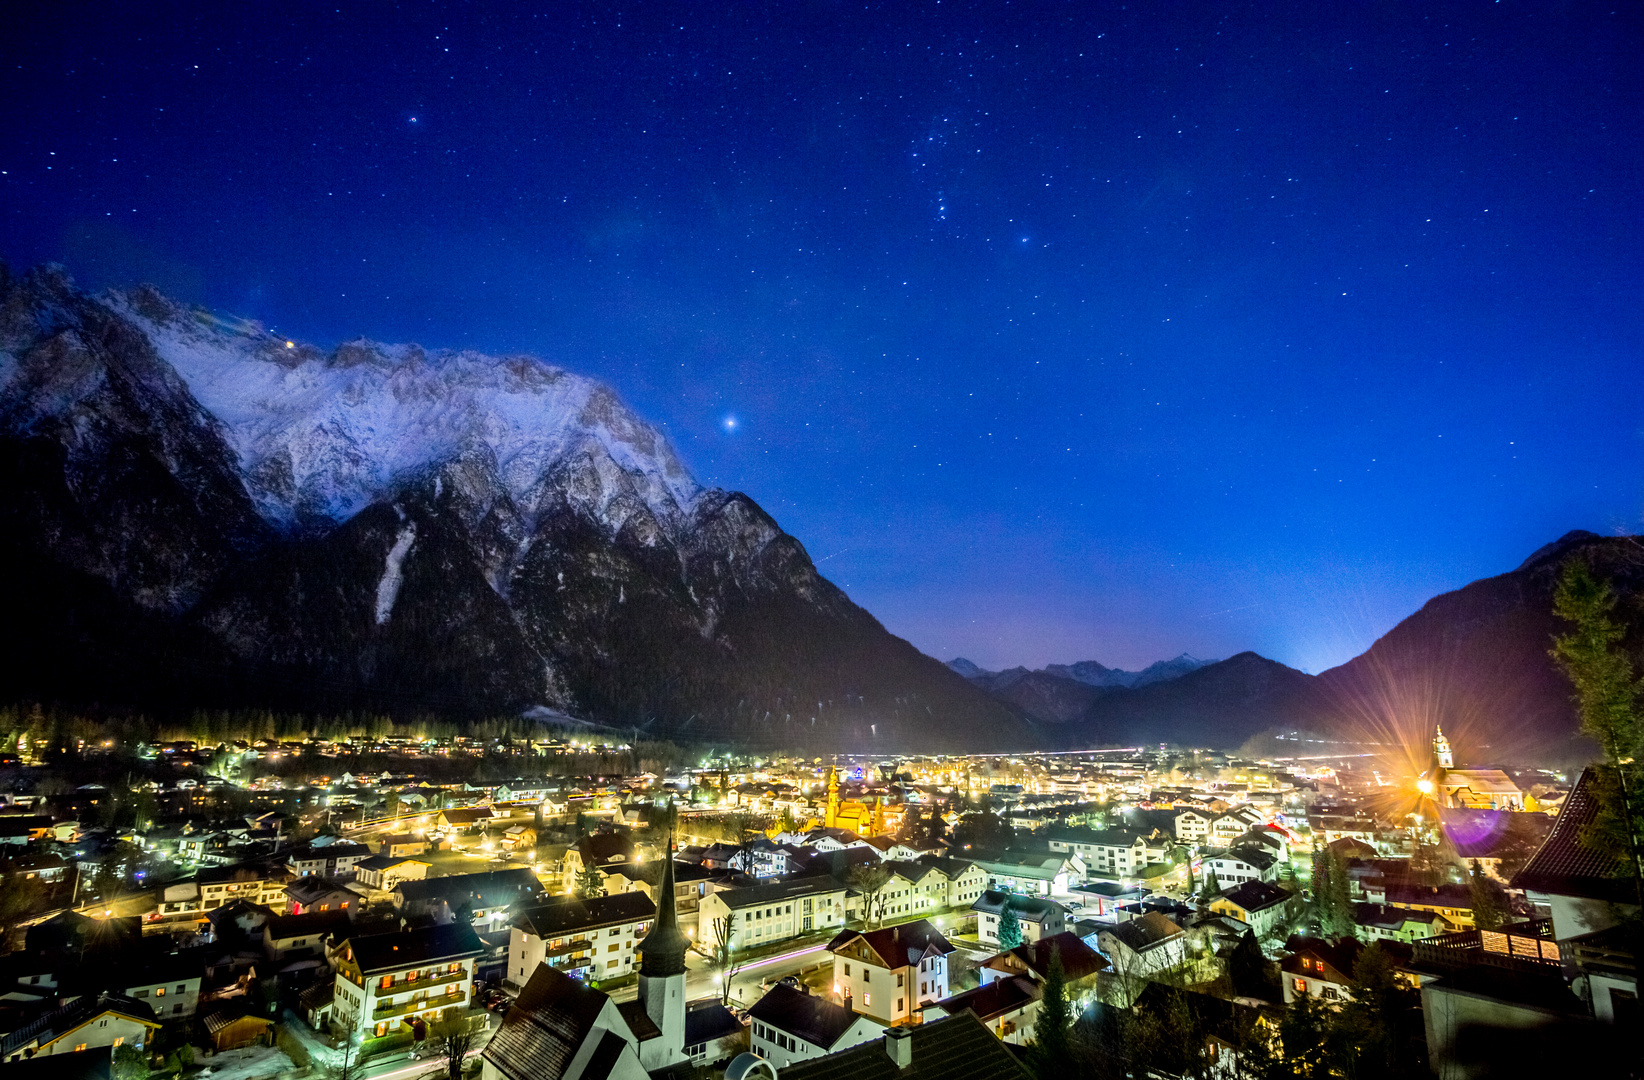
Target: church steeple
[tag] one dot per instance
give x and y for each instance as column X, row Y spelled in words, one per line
column 662, row 952
column 662, row 977
column 1441, row 750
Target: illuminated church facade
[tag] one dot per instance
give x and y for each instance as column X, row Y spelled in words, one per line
column 857, row 816
column 1473, row 789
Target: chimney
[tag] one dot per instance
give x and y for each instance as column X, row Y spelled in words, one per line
column 899, row 1046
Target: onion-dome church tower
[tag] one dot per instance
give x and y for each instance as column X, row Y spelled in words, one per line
column 662, row 976
column 1441, row 750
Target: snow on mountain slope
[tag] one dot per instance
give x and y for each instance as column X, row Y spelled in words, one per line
column 321, row 436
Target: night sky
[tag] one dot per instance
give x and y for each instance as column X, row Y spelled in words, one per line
column 1055, row 332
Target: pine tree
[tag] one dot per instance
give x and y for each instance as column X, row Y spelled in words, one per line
column 590, row 883
column 1010, row 927
column 1608, row 694
column 1490, row 908
column 1212, row 887
column 1052, row 1053
column 1332, row 896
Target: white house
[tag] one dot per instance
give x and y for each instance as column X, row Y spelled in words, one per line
column 789, row 1025
column 1039, row 918
column 890, row 974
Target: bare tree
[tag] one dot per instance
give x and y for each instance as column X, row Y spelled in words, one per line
column 870, row 881
column 452, row 1038
column 722, row 956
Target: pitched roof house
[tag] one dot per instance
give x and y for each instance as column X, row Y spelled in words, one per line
column 788, row 1025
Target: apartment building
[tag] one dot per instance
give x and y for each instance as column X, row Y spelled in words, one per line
column 586, row 939
column 1193, row 826
column 1109, row 853
column 965, row 880
column 219, row 885
column 761, row 914
column 1241, row 864
column 385, row 981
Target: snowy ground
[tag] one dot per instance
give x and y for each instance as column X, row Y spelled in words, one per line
column 251, row 1063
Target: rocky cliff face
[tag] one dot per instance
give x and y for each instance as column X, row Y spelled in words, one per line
column 198, row 514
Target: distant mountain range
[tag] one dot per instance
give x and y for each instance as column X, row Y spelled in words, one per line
column 1474, row 660
column 198, row 514
column 1060, row 693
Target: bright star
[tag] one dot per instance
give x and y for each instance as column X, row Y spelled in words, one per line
column 730, row 423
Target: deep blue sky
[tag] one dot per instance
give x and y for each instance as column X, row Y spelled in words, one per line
column 1055, row 331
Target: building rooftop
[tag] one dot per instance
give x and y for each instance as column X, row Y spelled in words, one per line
column 1256, row 895
column 815, row 1019
column 995, row 999
column 566, row 914
column 1026, row 907
column 546, row 1026
column 1564, row 865
column 899, row 945
column 408, row 948
column 956, row 1047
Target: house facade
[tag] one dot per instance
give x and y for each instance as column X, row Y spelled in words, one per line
column 586, row 939
column 892, row 973
column 1039, row 918
column 788, row 1025
column 760, row 914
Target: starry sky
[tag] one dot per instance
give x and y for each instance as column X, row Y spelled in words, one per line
column 1054, row 331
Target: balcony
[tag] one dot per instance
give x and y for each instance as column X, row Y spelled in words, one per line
column 417, row 1005
column 422, row 984
column 1526, row 946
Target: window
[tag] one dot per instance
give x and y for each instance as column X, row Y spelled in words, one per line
column 181, row 987
column 161, row 992
column 614, row 947
column 610, row 964
column 847, row 971
column 79, row 1048
column 119, row 1040
column 898, row 980
column 867, row 999
column 1300, row 986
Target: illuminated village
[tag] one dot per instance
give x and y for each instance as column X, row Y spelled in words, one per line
column 239, row 903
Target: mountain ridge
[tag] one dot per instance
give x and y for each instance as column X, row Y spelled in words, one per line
column 203, row 515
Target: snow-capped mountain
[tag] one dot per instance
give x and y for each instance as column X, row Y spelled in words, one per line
column 319, row 436
column 200, row 513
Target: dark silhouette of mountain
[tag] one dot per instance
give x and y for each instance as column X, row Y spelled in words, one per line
column 199, row 515
column 1220, row 704
column 1477, row 661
